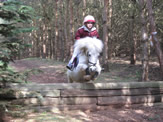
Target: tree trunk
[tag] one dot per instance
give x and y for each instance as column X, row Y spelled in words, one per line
column 50, row 42
column 61, row 33
column 153, row 34
column 105, row 35
column 109, row 29
column 44, row 46
column 66, row 31
column 131, row 35
column 145, row 60
column 71, row 38
column 56, row 30
column 84, row 7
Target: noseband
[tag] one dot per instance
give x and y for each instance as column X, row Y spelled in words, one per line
column 92, row 64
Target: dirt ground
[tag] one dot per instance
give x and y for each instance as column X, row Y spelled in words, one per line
column 55, row 72
column 51, row 72
column 132, row 114
column 120, row 70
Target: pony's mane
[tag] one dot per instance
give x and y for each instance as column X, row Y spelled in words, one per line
column 89, row 43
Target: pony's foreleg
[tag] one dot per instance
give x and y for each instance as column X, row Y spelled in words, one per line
column 70, row 80
column 82, row 67
column 98, row 67
column 95, row 70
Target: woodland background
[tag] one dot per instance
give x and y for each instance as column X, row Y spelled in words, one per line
column 121, row 24
column 44, row 29
column 58, row 21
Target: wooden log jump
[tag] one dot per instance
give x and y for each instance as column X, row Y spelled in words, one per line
column 84, row 95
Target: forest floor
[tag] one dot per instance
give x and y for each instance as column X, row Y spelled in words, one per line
column 120, row 71
column 55, row 72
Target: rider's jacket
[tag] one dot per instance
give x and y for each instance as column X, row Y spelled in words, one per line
column 84, row 32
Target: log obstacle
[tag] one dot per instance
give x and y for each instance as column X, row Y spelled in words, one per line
column 84, row 95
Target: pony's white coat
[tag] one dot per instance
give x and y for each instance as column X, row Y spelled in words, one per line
column 88, row 49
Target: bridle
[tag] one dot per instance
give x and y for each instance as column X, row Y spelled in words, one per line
column 92, row 64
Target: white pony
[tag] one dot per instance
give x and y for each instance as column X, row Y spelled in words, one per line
column 88, row 50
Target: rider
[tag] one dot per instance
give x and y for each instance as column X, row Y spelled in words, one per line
column 87, row 30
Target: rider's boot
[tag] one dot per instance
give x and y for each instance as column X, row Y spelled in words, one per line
column 70, row 65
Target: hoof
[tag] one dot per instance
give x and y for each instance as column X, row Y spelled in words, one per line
column 87, row 77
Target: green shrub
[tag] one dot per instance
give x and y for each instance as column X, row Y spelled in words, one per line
column 13, row 16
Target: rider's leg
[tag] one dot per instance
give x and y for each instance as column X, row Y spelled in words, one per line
column 70, row 65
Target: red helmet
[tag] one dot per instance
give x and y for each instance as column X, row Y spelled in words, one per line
column 89, row 18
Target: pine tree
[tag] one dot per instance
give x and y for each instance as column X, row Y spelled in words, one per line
column 13, row 15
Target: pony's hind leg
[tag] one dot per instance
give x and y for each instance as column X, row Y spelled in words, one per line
column 70, row 80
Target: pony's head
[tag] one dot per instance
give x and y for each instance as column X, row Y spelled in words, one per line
column 91, row 47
